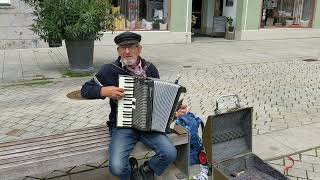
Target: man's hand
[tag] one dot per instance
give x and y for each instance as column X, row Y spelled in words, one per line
column 182, row 111
column 112, row 92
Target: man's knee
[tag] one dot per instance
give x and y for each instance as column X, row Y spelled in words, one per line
column 169, row 154
column 117, row 168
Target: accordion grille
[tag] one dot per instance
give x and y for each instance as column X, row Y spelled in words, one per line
column 163, row 100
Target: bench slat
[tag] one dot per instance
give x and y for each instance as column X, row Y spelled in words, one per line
column 54, row 154
column 55, row 137
column 51, row 143
column 62, row 149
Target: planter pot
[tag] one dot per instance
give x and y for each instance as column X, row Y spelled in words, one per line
column 53, row 43
column 289, row 22
column 156, row 26
column 304, row 23
column 80, row 55
column 230, row 28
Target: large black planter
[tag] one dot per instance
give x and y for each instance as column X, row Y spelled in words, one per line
column 80, row 55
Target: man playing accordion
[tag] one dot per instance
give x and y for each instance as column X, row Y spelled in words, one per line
column 123, row 140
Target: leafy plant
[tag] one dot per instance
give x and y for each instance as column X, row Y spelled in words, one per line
column 156, row 23
column 71, row 19
column 229, row 21
column 193, row 20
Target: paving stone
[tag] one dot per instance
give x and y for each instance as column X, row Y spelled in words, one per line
column 302, row 165
column 310, row 152
column 61, row 127
column 297, row 173
column 14, row 119
column 313, row 175
column 49, row 125
column 316, row 167
column 25, row 121
column 41, row 118
column 38, row 123
column 19, row 126
column 310, row 159
column 8, row 124
column 65, row 122
column 44, row 131
column 53, row 120
column 79, row 124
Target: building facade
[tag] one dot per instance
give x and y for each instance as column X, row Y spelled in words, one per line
column 261, row 19
column 169, row 21
column 159, row 21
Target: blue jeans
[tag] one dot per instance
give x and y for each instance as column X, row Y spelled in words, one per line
column 123, row 142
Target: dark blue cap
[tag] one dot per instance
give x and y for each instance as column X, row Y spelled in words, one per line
column 127, row 38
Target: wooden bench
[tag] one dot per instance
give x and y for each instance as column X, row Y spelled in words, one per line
column 82, row 146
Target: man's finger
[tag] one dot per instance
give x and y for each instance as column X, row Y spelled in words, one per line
column 120, row 89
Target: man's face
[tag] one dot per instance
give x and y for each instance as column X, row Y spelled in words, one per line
column 129, row 52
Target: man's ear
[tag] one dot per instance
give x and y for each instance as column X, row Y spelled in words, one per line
column 140, row 48
column 118, row 51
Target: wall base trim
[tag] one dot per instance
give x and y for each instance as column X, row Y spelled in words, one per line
column 281, row 33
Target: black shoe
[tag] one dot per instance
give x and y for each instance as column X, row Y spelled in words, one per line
column 135, row 174
column 146, row 171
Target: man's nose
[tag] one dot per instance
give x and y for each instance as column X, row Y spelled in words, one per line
column 126, row 50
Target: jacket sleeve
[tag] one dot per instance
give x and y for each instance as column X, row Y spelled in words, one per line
column 91, row 89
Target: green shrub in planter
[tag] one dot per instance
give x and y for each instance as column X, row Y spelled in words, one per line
column 72, row 20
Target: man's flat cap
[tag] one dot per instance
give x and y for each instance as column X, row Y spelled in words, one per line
column 127, row 38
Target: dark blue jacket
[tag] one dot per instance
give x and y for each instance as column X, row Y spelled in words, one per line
column 108, row 76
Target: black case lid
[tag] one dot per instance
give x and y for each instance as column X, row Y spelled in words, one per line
column 231, row 133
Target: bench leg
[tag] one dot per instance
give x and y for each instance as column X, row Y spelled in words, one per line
column 182, row 160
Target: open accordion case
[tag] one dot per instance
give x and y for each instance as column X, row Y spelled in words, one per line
column 227, row 139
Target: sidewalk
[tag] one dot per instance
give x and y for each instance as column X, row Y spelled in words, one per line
column 26, row 64
column 270, row 76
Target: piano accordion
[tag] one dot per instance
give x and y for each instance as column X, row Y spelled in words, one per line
column 149, row 104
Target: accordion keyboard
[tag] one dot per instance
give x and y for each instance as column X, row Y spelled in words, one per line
column 126, row 104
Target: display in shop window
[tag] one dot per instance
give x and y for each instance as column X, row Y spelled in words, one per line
column 287, row 13
column 145, row 15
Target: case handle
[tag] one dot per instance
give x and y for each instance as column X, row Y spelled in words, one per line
column 237, row 103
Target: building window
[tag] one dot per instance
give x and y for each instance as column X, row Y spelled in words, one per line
column 287, row 13
column 5, row 3
column 149, row 15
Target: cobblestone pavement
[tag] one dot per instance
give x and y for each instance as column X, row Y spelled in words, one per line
column 306, row 165
column 283, row 92
column 283, row 96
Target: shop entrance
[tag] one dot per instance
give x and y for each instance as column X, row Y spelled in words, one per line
column 204, row 11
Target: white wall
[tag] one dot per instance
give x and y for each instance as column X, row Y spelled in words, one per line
column 15, row 22
column 230, row 10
